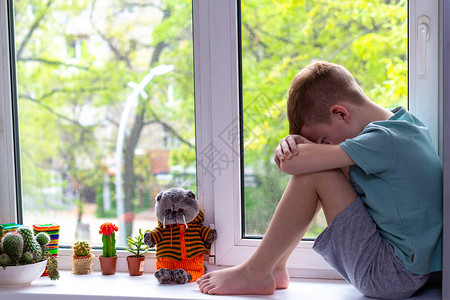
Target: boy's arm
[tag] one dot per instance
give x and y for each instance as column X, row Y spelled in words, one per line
column 314, row 158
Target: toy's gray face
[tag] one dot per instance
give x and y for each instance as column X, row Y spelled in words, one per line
column 176, row 206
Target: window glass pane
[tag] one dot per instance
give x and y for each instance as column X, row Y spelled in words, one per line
column 84, row 67
column 279, row 38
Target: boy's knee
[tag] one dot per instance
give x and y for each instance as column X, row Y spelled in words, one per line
column 330, row 177
column 321, row 175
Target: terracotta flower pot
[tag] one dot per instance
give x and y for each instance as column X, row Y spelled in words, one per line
column 135, row 265
column 82, row 265
column 108, row 265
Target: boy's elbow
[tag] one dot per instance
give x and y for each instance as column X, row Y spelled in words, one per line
column 287, row 168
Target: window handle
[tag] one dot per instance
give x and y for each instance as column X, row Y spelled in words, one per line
column 423, row 35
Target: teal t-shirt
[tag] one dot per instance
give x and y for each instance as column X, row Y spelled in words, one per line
column 398, row 175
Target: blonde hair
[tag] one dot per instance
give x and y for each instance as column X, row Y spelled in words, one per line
column 315, row 89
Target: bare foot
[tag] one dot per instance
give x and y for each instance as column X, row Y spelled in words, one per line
column 236, row 281
column 281, row 277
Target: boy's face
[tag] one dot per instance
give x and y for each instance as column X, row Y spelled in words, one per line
column 333, row 133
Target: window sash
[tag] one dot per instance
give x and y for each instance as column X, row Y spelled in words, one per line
column 217, row 125
column 217, row 101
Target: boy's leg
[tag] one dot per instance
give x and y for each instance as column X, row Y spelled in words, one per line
column 280, row 272
column 292, row 217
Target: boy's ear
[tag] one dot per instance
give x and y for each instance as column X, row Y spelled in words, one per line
column 341, row 112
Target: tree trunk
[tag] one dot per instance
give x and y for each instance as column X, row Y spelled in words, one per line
column 129, row 175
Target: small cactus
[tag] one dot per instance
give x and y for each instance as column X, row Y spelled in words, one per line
column 28, row 257
column 4, row 260
column 42, row 238
column 13, row 244
column 81, row 248
column 28, row 236
column 31, row 244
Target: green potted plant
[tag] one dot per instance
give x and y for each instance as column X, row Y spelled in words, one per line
column 108, row 260
column 23, row 258
column 138, row 248
column 82, row 258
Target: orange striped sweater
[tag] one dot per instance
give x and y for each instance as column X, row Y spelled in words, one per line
column 178, row 242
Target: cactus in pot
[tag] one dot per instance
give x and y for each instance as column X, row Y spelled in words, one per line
column 13, row 245
column 43, row 239
column 82, row 258
column 31, row 244
column 22, row 247
column 81, row 248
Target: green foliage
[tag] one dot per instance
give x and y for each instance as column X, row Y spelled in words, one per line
column 136, row 245
column 55, row 88
column 52, row 268
column 261, row 201
column 58, row 86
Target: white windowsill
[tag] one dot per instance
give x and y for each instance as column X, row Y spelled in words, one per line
column 122, row 286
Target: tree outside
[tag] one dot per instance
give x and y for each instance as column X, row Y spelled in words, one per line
column 77, row 61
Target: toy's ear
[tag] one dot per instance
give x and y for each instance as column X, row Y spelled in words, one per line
column 159, row 196
column 190, row 194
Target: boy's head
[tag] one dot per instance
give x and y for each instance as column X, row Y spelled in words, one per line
column 315, row 89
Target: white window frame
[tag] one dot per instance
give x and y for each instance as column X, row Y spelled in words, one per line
column 425, row 98
column 8, row 211
column 217, row 118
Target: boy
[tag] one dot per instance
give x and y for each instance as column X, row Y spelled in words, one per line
column 384, row 217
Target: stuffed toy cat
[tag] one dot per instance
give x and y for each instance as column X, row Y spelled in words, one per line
column 180, row 238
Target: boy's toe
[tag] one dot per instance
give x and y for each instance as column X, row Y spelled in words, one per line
column 207, row 288
column 203, row 279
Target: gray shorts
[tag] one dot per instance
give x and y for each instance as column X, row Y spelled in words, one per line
column 353, row 246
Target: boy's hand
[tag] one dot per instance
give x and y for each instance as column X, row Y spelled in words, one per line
column 288, row 147
column 310, row 157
